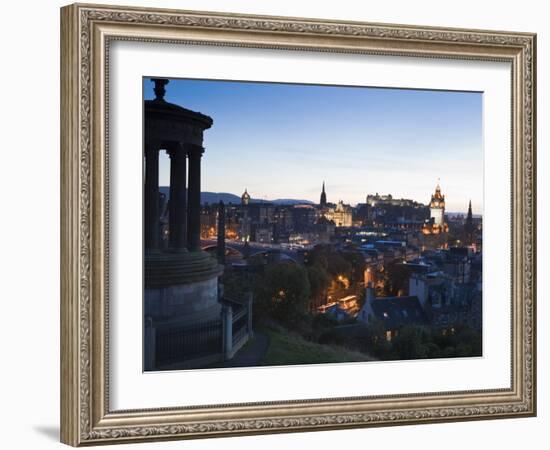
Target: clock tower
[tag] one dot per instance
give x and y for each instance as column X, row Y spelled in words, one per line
column 437, row 207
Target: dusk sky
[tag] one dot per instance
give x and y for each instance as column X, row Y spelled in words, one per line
column 284, row 140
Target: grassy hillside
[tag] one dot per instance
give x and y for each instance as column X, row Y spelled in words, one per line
column 288, row 348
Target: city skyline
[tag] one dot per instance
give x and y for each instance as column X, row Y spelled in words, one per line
column 358, row 140
column 230, row 282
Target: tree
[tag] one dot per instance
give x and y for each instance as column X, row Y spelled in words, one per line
column 236, row 284
column 357, row 264
column 331, row 260
column 412, row 342
column 319, row 281
column 338, row 265
column 282, row 292
column 318, row 256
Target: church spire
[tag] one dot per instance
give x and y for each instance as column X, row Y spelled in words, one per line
column 469, row 217
column 323, row 201
column 469, row 225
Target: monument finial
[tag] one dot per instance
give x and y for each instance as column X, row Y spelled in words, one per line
column 160, row 89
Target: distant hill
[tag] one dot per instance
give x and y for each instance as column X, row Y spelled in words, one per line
column 209, row 197
column 462, row 214
column 215, row 197
column 291, row 201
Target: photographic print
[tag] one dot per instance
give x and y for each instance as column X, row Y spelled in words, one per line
column 307, row 224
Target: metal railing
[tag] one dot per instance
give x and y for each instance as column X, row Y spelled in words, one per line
column 177, row 345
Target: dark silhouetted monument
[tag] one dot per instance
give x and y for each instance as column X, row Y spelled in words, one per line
column 220, row 248
column 185, row 324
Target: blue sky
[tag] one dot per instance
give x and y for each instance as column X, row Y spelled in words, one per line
column 284, row 140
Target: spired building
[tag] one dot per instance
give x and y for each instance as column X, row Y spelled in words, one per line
column 245, row 220
column 339, row 214
column 469, row 227
column 186, row 322
column 323, row 199
column 245, row 198
column 436, row 223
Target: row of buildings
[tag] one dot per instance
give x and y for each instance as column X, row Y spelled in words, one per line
column 307, row 224
column 443, row 291
column 440, row 256
column 443, row 288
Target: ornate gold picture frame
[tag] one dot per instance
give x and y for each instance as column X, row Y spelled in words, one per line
column 87, row 32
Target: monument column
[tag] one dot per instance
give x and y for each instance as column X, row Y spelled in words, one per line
column 221, row 233
column 178, row 197
column 152, row 213
column 194, row 197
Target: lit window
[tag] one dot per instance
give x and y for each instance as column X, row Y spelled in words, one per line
column 388, row 335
